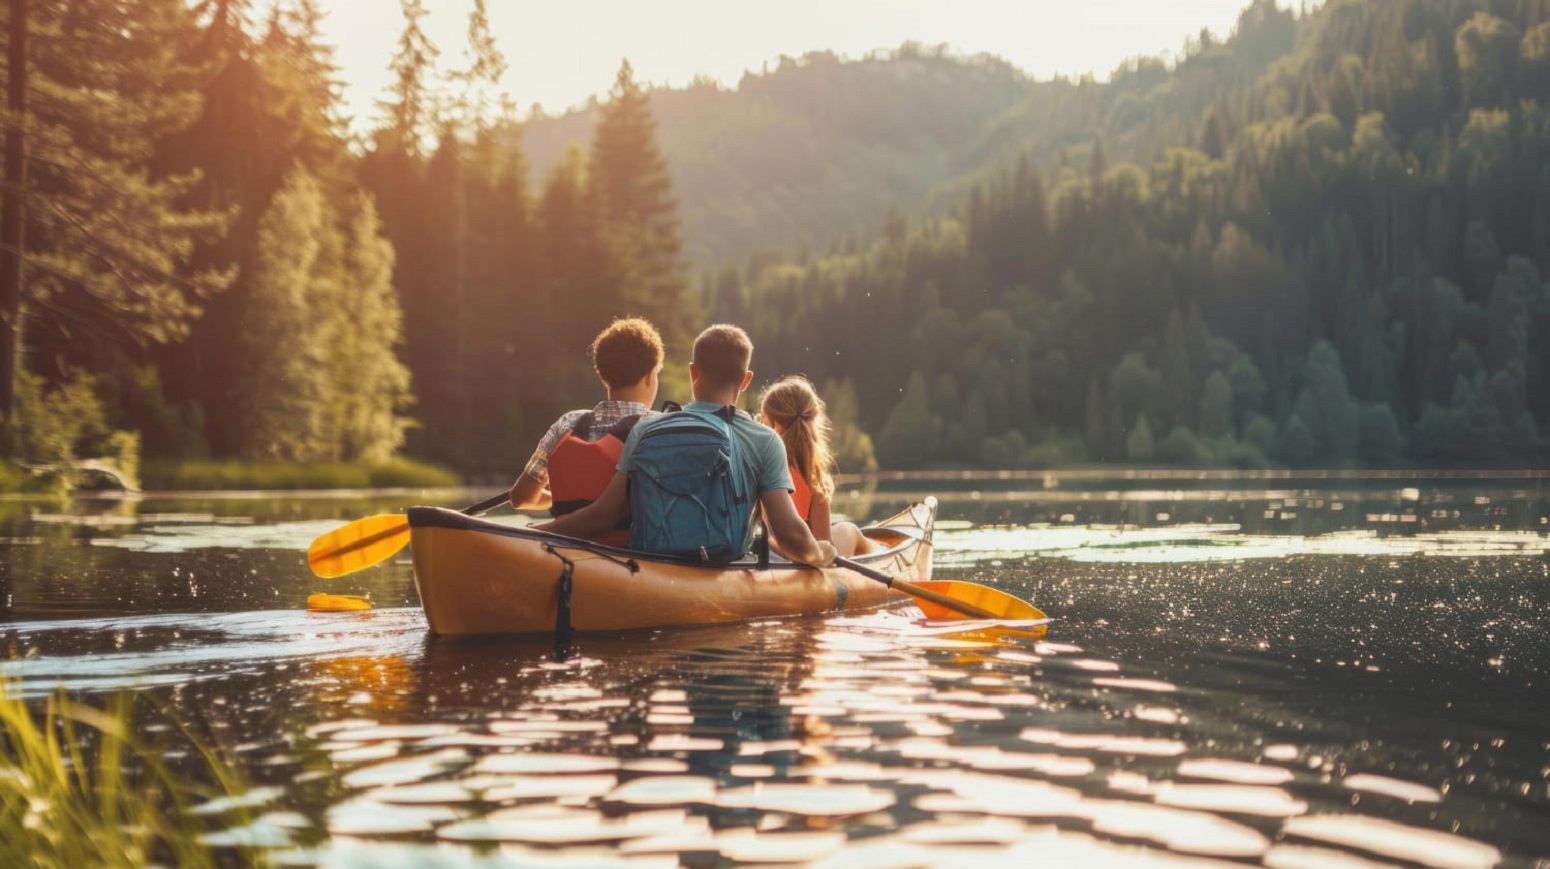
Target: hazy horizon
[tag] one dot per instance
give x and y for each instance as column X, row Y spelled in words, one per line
column 1044, row 38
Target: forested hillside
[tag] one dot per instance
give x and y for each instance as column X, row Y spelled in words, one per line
column 211, row 269
column 1322, row 241
column 812, row 148
column 1341, row 261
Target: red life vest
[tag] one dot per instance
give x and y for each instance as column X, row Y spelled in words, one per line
column 580, row 469
column 803, row 496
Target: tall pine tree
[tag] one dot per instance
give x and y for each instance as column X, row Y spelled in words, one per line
column 370, row 385
column 277, row 95
column 290, row 327
column 322, row 381
column 108, row 240
column 633, row 194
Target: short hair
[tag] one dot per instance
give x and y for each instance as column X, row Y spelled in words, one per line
column 721, row 354
column 627, row 351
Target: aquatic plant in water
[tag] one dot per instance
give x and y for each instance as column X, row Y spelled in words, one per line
column 78, row 788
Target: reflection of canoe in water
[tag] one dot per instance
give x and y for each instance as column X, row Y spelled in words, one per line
column 478, row 577
column 752, row 663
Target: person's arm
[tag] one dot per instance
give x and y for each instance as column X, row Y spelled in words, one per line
column 818, row 518
column 598, row 517
column 529, row 491
column 789, row 535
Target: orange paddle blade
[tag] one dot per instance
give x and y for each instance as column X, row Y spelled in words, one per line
column 336, row 603
column 1003, row 605
column 358, row 545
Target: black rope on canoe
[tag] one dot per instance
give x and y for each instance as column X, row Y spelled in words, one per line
column 562, row 625
column 630, row 563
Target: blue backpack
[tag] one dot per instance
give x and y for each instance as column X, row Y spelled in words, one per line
column 687, row 495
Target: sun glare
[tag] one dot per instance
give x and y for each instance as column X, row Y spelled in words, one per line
column 562, row 53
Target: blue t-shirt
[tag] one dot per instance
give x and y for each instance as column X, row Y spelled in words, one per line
column 764, row 454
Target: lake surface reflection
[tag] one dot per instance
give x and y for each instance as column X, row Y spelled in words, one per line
column 1292, row 673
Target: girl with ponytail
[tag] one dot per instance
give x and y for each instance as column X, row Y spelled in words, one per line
column 792, row 407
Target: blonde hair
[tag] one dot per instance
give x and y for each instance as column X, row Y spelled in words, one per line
column 804, row 427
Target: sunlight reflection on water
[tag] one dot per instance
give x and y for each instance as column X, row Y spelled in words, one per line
column 1192, row 543
column 856, row 707
column 1212, row 692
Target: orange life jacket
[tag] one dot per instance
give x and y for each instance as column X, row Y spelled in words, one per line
column 803, row 496
column 580, row 469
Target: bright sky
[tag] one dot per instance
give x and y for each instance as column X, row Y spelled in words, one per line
column 562, row 51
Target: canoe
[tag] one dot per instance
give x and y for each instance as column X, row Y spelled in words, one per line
column 481, row 577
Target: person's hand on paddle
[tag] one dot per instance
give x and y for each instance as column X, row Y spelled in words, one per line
column 825, row 555
column 789, row 535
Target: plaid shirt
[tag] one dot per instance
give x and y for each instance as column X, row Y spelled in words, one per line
column 605, row 416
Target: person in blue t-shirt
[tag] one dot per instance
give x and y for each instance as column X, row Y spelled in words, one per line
column 718, row 374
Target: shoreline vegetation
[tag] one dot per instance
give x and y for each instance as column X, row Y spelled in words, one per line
column 208, row 475
column 220, row 475
column 80, row 787
column 401, row 474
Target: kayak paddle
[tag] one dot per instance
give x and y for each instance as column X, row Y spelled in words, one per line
column 953, row 599
column 372, row 540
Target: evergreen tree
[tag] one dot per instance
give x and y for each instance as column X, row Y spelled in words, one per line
column 1138, row 444
column 420, row 230
column 437, row 304
column 1325, row 405
column 108, row 240
column 486, row 65
column 581, row 274
column 292, row 324
column 632, row 189
column 909, row 437
column 370, row 385
column 1487, row 49
column 277, row 94
column 12, row 210
column 407, row 112
column 507, row 347
column 323, row 381
column 300, row 71
column 852, row 446
column 1216, row 406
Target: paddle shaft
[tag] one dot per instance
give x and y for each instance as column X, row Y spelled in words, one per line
column 489, row 503
column 914, row 590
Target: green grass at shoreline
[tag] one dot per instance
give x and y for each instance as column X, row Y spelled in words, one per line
column 79, row 787
column 14, row 480
column 222, row 475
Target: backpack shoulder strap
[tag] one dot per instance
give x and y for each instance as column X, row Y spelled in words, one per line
column 623, row 427
column 583, row 427
column 721, row 417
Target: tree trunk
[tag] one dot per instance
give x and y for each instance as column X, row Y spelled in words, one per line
column 11, row 210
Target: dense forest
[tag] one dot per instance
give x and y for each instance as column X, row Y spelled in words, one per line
column 214, row 268
column 1341, row 262
column 1321, row 241
column 815, row 147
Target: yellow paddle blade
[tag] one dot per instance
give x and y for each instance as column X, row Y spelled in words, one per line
column 1003, row 605
column 358, row 545
column 336, row 603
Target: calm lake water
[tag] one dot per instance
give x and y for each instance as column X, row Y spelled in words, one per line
column 1284, row 671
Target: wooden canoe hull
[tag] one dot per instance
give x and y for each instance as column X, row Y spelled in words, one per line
column 479, row 577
